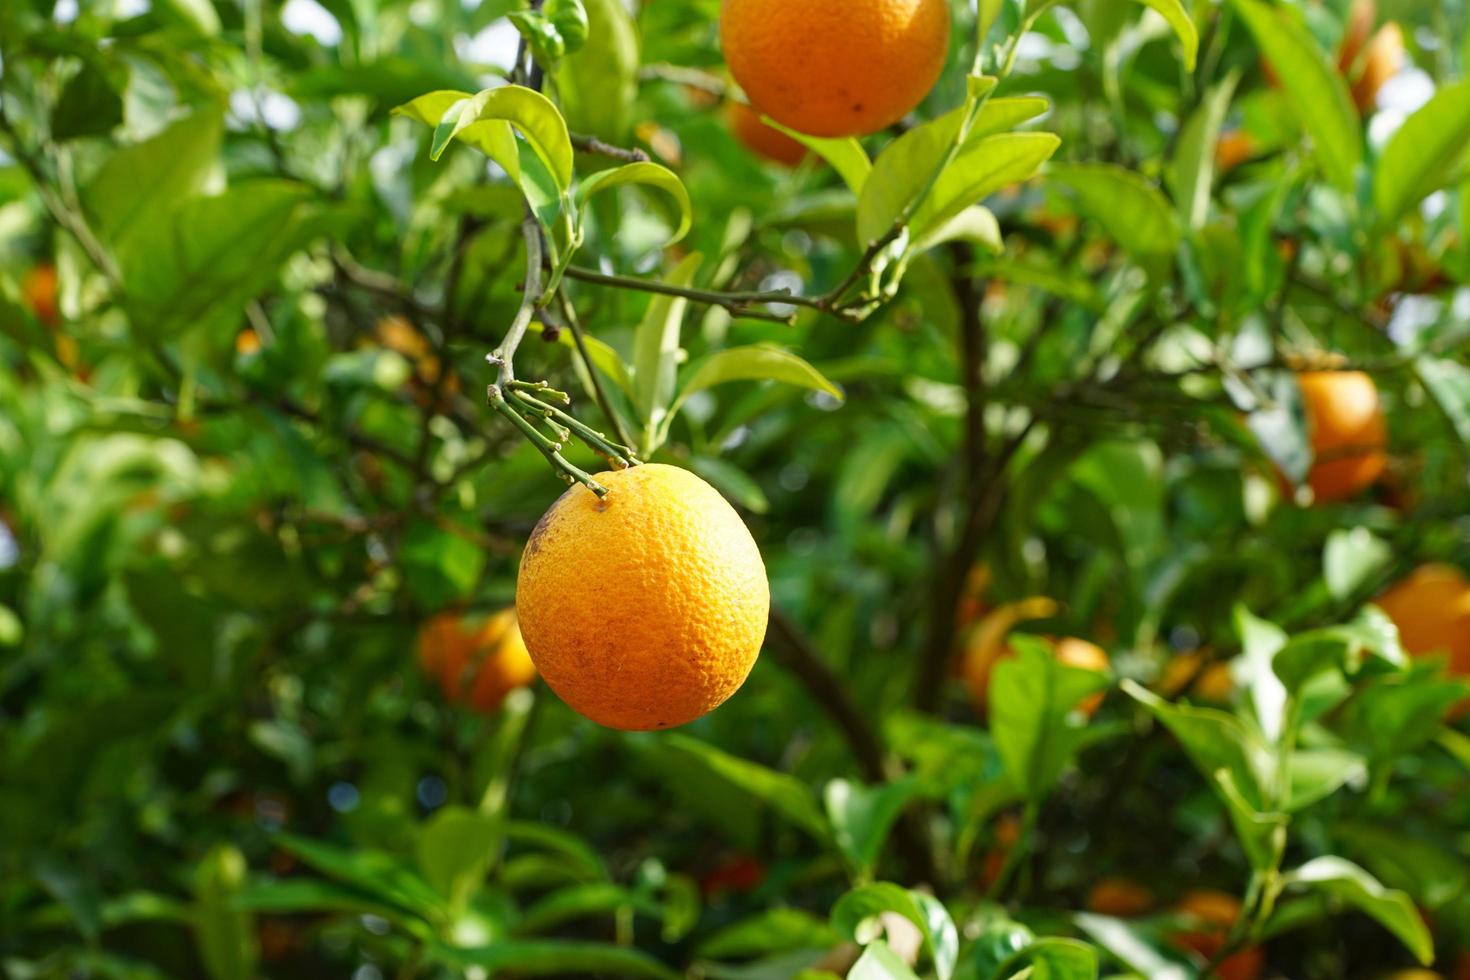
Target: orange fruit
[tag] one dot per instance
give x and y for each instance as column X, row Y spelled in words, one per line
column 1216, row 912
column 1233, row 149
column 1431, row 608
column 476, row 666
column 644, row 609
column 987, row 647
column 1382, row 60
column 1348, row 432
column 1122, row 898
column 1208, row 683
column 760, row 139
column 834, row 67
column 1355, row 34
column 39, row 291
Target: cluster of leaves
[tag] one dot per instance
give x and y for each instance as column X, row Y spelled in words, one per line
column 1048, row 330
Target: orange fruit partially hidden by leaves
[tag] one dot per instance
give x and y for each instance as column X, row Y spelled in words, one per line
column 1382, row 59
column 647, row 608
column 987, row 647
column 476, row 665
column 834, row 67
column 760, row 139
column 1431, row 608
column 38, row 288
column 1348, row 432
column 1122, row 898
column 1216, row 912
column 1233, row 149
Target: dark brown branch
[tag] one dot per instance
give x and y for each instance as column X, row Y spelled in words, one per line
column 591, row 144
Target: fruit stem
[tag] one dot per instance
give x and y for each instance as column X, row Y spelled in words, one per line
column 551, row 450
column 620, row 456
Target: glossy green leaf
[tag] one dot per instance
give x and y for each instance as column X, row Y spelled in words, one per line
column 862, row 817
column 649, row 175
column 975, row 224
column 456, row 848
column 581, row 901
column 379, row 875
column 1191, row 172
column 784, row 793
column 1132, row 211
column 597, row 85
column 775, row 930
column 1214, row 741
column 1423, row 154
column 1348, row 883
column 226, row 934
column 1351, row 559
column 1178, row 17
column 139, row 184
column 856, row 911
column 1055, row 959
column 981, row 169
column 846, row 156
column 879, row 962
column 89, row 106
column 906, row 166
column 556, row 957
column 1317, row 93
column 656, row 353
column 1031, row 699
column 457, row 115
column 755, row 363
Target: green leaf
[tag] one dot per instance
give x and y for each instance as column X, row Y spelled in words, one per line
column 755, row 363
column 604, row 357
column 879, row 962
column 304, row 895
column 1191, row 173
column 855, row 915
column 1177, row 16
column 980, row 169
column 89, row 106
column 226, row 934
column 139, row 184
column 656, row 353
column 1031, row 699
column 1394, row 715
column 905, row 166
column 1131, row 945
column 196, row 14
column 1131, row 210
column 1428, row 869
column 862, row 816
column 377, row 874
column 1054, row 959
column 456, row 848
column 1348, row 883
column 1318, row 95
column 210, row 256
column 732, row 482
column 480, row 119
column 597, row 85
column 1448, row 382
column 777, row 930
column 1214, row 741
column 1423, row 154
column 785, row 794
column 1260, row 642
column 650, row 175
column 579, row 902
column 1318, row 773
column 556, row 957
column 846, row 156
column 975, row 224
column 1351, row 558
column 575, row 854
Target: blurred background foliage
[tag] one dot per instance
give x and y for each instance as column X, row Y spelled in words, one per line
column 244, row 458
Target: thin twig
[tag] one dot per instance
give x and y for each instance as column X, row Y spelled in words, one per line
column 738, row 304
column 574, row 324
column 591, row 144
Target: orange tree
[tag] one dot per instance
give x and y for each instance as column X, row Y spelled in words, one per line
column 1070, row 400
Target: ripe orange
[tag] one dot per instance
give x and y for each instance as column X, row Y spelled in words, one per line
column 1355, row 34
column 1233, row 149
column 1122, row 898
column 1216, row 912
column 479, row 665
column 1431, row 608
column 647, row 608
column 834, row 67
column 987, row 647
column 1382, row 60
column 1211, row 682
column 1346, row 426
column 760, row 139
column 38, row 288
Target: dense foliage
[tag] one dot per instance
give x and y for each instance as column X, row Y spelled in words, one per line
column 1078, row 352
